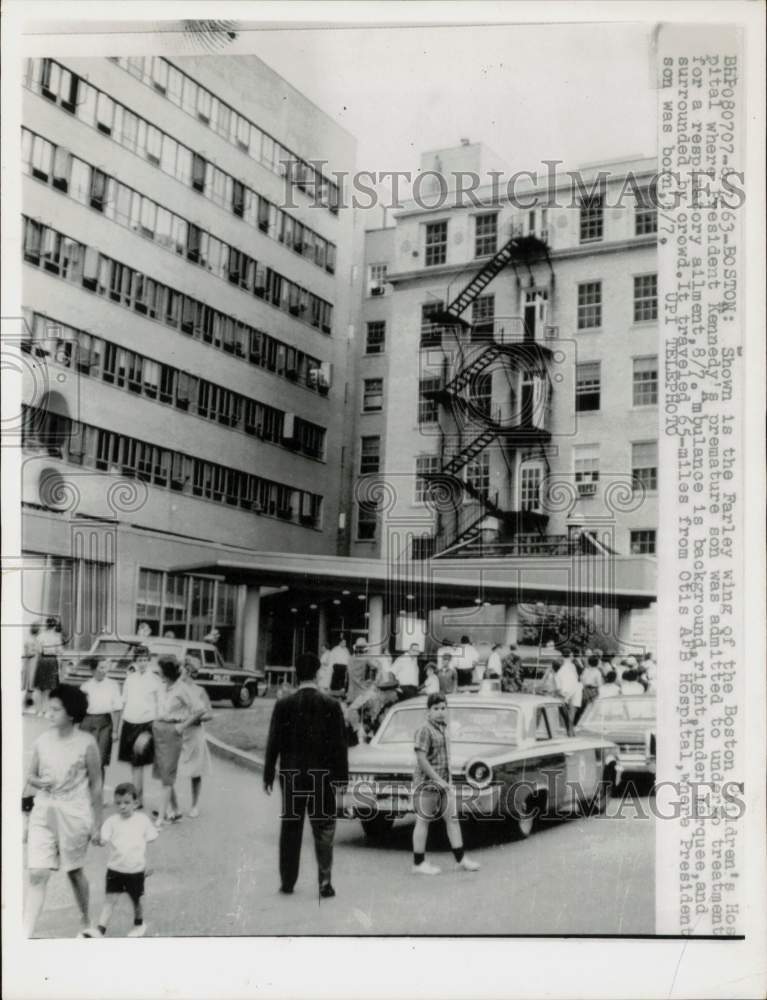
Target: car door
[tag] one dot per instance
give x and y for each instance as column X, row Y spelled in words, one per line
column 546, row 764
column 581, row 771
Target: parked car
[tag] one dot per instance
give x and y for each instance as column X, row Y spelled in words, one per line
column 513, row 756
column 630, row 721
column 221, row 680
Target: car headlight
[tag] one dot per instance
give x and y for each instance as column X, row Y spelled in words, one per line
column 479, row 774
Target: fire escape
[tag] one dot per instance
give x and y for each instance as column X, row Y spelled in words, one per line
column 519, row 349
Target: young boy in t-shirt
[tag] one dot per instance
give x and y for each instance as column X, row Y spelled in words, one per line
column 127, row 832
column 433, row 793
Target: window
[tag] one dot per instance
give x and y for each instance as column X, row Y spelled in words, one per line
column 643, row 542
column 586, row 468
column 587, row 387
column 376, row 279
column 376, row 338
column 645, row 215
column 427, row 405
column 530, row 487
column 436, row 243
column 645, row 383
column 367, row 521
column 370, row 454
column 592, row 219
column 645, row 298
column 644, row 464
column 589, row 305
column 485, row 234
column 425, row 465
column 431, row 330
column 483, row 317
column 372, row 398
column 478, row 474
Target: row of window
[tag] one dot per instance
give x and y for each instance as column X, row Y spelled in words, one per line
column 90, row 186
column 591, row 228
column 235, row 128
column 188, row 607
column 588, row 384
column 82, row 444
column 100, row 111
column 101, row 359
column 590, row 301
column 94, row 271
column 644, row 466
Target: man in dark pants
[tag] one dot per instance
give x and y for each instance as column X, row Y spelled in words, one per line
column 307, row 734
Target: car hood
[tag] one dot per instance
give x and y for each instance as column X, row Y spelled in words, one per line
column 616, row 732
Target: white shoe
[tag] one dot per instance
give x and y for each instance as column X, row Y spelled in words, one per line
column 194, row 812
column 468, row 865
column 139, row 930
column 426, row 869
column 90, row 932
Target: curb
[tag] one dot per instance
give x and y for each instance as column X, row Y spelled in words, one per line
column 251, row 761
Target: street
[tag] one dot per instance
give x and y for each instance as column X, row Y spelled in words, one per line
column 217, row 875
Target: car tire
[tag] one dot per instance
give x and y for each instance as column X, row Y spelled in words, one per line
column 377, row 827
column 242, row 697
column 522, row 824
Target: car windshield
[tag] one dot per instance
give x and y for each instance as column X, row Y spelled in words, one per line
column 465, row 725
column 114, row 647
column 621, row 710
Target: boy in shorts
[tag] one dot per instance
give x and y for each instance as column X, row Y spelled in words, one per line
column 433, row 795
column 127, row 833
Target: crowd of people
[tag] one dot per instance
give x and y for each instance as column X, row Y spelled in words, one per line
column 367, row 684
column 157, row 719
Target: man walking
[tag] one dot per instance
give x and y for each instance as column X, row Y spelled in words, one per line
column 307, row 735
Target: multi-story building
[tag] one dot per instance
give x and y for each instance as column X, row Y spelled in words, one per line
column 186, row 300
column 508, row 369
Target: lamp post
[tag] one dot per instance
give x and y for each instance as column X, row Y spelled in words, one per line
column 540, row 608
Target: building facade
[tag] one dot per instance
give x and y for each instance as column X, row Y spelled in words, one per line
column 186, row 304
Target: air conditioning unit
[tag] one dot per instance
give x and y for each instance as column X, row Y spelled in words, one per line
column 551, row 332
column 587, row 489
column 378, row 289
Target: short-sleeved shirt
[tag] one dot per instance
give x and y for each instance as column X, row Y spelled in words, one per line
column 432, row 740
column 127, row 838
column 103, row 696
column 140, row 693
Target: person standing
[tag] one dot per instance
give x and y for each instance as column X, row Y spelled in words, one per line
column 176, row 711
column 141, row 692
column 362, row 669
column 445, row 651
column 494, row 666
column 307, row 737
column 325, row 673
column 47, row 672
column 195, row 756
column 448, row 675
column 592, row 680
column 405, row 670
column 339, row 661
column 567, row 684
column 29, row 663
column 433, row 793
column 102, row 719
column 465, row 661
column 65, row 771
column 511, row 671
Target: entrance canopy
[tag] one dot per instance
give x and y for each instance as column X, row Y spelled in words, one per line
column 607, row 580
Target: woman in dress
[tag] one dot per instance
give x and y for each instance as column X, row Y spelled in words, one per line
column 195, row 756
column 65, row 771
column 175, row 714
column 47, row 672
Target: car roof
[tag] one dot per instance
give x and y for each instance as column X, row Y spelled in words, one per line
column 154, row 641
column 519, row 699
